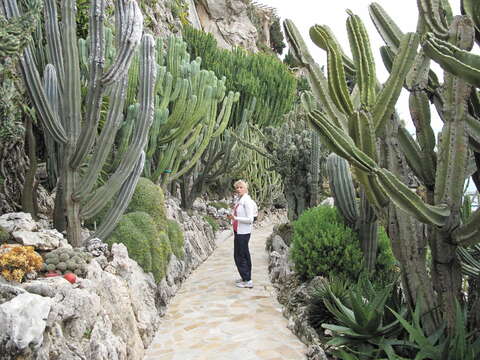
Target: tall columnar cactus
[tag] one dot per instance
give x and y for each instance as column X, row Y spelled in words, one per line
column 58, row 101
column 289, row 148
column 361, row 218
column 353, row 132
column 191, row 108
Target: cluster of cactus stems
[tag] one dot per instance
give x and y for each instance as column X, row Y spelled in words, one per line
column 63, row 260
column 354, row 124
column 191, row 108
column 58, row 101
column 290, row 149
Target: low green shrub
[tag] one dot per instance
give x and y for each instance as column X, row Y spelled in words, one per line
column 323, row 245
column 136, row 231
column 175, row 235
column 212, row 222
column 149, row 198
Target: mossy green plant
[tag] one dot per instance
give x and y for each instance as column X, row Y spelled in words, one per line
column 149, row 198
column 136, row 231
column 175, row 235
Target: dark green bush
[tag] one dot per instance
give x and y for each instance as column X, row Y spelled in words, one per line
column 136, row 231
column 149, row 198
column 212, row 222
column 323, row 245
column 175, row 235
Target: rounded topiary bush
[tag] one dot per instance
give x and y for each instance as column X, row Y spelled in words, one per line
column 136, row 231
column 161, row 251
column 323, row 245
column 175, row 235
column 149, row 198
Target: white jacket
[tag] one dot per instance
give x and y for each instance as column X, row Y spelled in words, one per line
column 245, row 213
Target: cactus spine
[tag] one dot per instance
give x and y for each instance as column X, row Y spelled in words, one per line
column 76, row 130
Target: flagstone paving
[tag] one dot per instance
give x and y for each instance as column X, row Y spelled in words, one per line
column 211, row 319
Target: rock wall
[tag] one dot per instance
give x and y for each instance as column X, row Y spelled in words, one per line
column 293, row 294
column 228, row 22
column 110, row 314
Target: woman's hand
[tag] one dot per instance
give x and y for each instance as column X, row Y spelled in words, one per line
column 230, row 217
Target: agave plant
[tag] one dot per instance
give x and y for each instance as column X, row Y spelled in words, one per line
column 367, row 325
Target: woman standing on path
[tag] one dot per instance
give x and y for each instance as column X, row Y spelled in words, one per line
column 243, row 213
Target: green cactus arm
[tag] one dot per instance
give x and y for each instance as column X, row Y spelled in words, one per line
column 54, row 46
column 225, row 113
column 469, row 233
column 410, row 202
column 72, row 94
column 253, row 147
column 472, row 9
column 412, row 152
column 473, row 126
column 316, row 79
column 453, row 144
column 452, row 59
column 388, row 96
column 341, row 184
column 431, row 12
column 125, row 133
column 121, row 202
column 146, row 96
column 340, row 142
column 328, row 35
column 129, row 24
column 336, row 74
column 362, row 132
column 50, row 84
column 93, row 100
column 363, row 59
column 386, row 26
column 49, row 119
column 420, row 112
column 104, row 141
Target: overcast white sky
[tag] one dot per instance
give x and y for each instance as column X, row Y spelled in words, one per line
column 306, row 13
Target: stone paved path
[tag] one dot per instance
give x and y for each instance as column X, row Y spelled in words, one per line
column 211, row 319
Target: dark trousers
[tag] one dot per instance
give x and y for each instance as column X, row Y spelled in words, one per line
column 241, row 254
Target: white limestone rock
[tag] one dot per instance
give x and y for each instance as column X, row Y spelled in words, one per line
column 18, row 221
column 44, row 239
column 23, row 321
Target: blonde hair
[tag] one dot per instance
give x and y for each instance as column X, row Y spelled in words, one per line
column 241, row 182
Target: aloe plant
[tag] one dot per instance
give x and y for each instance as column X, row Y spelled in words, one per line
column 58, row 102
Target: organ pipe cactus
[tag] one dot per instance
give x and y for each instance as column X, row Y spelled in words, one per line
column 361, row 219
column 58, row 102
column 191, row 108
column 353, row 137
